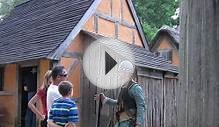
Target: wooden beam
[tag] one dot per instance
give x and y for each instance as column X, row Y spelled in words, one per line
column 156, row 68
column 111, row 7
column 68, row 54
column 4, row 93
column 28, row 63
column 133, row 36
column 112, row 19
column 171, row 75
column 18, row 94
column 122, row 6
column 96, row 18
column 73, row 66
column 150, row 73
column 116, row 30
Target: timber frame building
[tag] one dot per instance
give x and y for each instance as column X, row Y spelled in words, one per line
column 166, row 44
column 42, row 33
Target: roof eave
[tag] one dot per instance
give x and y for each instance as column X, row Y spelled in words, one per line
column 159, row 69
column 61, row 48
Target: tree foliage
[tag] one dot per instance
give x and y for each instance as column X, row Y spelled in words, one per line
column 7, row 5
column 156, row 13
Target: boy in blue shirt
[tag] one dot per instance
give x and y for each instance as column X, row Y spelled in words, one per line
column 64, row 110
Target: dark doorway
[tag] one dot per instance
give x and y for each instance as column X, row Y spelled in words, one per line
column 28, row 87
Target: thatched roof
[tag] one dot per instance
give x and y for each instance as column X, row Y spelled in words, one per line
column 172, row 33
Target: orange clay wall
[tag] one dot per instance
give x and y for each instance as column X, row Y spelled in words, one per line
column 74, row 72
column 8, row 101
column 113, row 18
column 175, row 58
column 44, row 66
column 166, row 44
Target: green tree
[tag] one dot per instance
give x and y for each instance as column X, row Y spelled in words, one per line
column 7, row 5
column 156, row 13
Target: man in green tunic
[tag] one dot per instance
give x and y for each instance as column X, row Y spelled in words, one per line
column 131, row 101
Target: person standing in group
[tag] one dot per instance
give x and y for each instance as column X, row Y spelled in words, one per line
column 59, row 74
column 41, row 96
column 30, row 86
column 64, row 110
column 131, row 101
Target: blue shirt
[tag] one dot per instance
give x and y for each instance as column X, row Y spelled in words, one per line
column 64, row 110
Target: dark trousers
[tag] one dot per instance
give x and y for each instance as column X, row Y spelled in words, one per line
column 30, row 117
column 44, row 123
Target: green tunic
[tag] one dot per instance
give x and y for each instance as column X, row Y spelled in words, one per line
column 137, row 93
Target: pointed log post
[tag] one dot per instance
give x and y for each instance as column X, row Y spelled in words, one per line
column 199, row 69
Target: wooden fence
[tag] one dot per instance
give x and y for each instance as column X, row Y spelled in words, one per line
column 161, row 94
column 161, row 97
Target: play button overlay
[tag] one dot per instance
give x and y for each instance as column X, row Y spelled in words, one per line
column 101, row 62
column 110, row 63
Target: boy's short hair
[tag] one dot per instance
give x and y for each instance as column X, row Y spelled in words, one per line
column 65, row 88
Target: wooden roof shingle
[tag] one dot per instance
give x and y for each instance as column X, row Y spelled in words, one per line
column 38, row 27
column 142, row 57
column 169, row 31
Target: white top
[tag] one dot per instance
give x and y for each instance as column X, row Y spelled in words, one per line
column 52, row 94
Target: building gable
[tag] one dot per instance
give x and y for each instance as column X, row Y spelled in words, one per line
column 164, row 43
column 117, row 19
column 166, row 33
